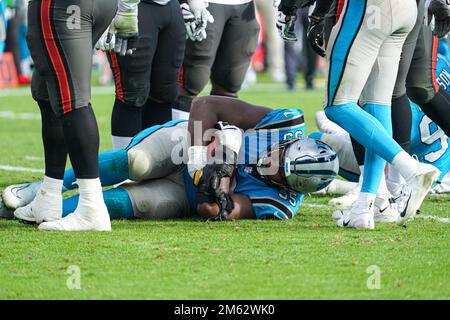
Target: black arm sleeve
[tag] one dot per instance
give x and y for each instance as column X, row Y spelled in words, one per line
column 322, row 7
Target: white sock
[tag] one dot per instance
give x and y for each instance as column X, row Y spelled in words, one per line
column 405, row 164
column 365, row 199
column 120, row 142
column 91, row 196
column 361, row 176
column 52, row 186
column 179, row 114
column 382, row 189
column 394, row 176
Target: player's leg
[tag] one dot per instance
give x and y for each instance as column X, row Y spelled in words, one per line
column 70, row 52
column 117, row 201
column 199, row 58
column 165, row 70
column 155, row 199
column 48, row 203
column 342, row 107
column 132, row 76
column 239, row 40
column 422, row 85
column 154, row 153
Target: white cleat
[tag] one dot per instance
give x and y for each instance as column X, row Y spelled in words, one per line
column 387, row 214
column 19, row 195
column 416, row 190
column 91, row 219
column 347, row 200
column 360, row 217
column 44, row 207
column 5, row 213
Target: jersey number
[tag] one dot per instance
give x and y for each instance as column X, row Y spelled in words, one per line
column 429, row 138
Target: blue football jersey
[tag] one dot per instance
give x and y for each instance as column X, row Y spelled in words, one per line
column 268, row 202
column 443, row 72
column 444, row 49
column 429, row 142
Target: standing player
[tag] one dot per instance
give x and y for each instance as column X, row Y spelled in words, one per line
column 224, row 56
column 429, row 144
column 147, row 81
column 61, row 37
column 363, row 63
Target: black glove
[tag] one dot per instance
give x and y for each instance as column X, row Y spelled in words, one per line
column 316, row 34
column 440, row 9
column 207, row 182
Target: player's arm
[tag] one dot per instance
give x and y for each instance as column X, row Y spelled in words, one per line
column 242, row 208
column 208, row 111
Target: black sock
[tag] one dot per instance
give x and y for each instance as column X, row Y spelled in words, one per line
column 156, row 113
column 54, row 145
column 359, row 150
column 125, row 120
column 438, row 110
column 402, row 121
column 82, row 140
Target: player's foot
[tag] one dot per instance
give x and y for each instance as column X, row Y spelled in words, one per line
column 326, row 125
column 360, row 216
column 382, row 215
column 387, row 214
column 45, row 206
column 19, row 195
column 5, row 213
column 415, row 191
column 347, row 200
column 83, row 219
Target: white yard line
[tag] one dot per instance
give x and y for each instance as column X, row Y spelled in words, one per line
column 431, row 217
column 33, row 158
column 11, row 115
column 20, row 169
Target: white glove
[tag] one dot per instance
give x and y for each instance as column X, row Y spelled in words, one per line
column 229, row 136
column 189, row 22
column 125, row 27
column 201, row 16
column 285, row 25
column 106, row 42
column 276, row 3
column 197, row 159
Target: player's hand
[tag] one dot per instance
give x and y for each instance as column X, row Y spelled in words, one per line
column 196, row 18
column 125, row 27
column 285, row 25
column 229, row 138
column 106, row 42
column 440, row 10
column 316, row 34
column 211, row 184
column 276, row 3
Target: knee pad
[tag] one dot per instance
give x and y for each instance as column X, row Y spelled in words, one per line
column 421, row 95
column 139, row 164
column 195, row 79
column 165, row 94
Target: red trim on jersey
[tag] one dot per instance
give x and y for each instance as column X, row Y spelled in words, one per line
column 434, row 59
column 55, row 56
column 180, row 77
column 340, row 7
column 116, row 72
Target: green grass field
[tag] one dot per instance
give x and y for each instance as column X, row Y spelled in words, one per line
column 306, row 258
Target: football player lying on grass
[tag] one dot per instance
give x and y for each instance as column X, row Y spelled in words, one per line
column 259, row 174
column 428, row 143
